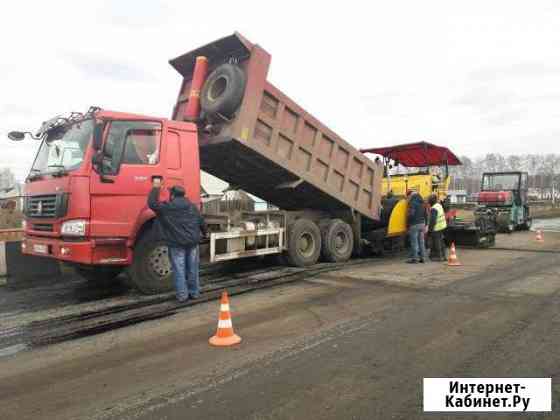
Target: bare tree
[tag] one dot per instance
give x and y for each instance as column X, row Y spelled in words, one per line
column 544, row 171
column 7, row 178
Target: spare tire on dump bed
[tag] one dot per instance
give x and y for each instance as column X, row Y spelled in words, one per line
column 223, row 90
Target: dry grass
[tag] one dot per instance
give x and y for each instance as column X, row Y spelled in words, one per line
column 10, row 219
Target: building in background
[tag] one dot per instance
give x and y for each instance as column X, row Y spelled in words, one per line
column 457, row 196
column 12, row 194
column 7, row 178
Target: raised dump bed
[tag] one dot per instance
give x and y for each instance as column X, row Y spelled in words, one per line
column 273, row 148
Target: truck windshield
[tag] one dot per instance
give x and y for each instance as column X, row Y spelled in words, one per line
column 63, row 149
column 500, row 182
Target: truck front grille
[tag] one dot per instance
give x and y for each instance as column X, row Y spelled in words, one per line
column 42, row 227
column 46, row 206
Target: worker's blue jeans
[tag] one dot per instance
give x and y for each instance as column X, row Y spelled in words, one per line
column 417, row 244
column 185, row 262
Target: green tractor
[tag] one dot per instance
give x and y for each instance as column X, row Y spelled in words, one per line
column 507, row 194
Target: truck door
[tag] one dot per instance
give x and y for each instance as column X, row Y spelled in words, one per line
column 131, row 156
column 182, row 160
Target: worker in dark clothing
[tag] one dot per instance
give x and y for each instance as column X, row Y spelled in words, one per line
column 435, row 230
column 387, row 206
column 416, row 218
column 179, row 224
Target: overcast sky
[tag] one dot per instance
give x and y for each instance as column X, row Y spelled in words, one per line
column 478, row 76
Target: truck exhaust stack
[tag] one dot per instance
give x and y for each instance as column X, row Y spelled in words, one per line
column 192, row 111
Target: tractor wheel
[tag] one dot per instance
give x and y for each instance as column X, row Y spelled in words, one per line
column 337, row 240
column 150, row 271
column 304, row 243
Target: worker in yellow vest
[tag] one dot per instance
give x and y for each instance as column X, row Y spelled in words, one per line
column 435, row 229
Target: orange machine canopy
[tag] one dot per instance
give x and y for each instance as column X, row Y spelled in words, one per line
column 418, row 155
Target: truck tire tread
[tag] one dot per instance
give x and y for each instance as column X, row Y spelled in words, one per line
column 329, row 230
column 141, row 275
column 223, row 90
column 294, row 255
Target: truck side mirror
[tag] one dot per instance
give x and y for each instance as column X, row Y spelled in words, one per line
column 98, row 165
column 98, row 136
column 16, row 135
column 97, row 159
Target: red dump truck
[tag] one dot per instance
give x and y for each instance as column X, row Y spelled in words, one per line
column 85, row 197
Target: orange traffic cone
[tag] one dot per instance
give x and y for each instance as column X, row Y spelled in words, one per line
column 453, row 260
column 540, row 236
column 224, row 335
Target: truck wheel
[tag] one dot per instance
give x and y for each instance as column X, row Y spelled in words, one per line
column 337, row 240
column 223, row 90
column 304, row 243
column 101, row 275
column 151, row 270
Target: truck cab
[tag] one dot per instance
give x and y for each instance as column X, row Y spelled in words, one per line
column 85, row 196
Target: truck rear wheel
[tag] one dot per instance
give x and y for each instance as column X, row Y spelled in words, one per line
column 151, row 270
column 304, row 243
column 337, row 240
column 223, row 90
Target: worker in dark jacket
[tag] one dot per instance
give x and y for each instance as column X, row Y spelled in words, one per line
column 179, row 224
column 416, row 220
column 436, row 227
column 388, row 203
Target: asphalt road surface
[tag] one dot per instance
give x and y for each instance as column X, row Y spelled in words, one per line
column 350, row 345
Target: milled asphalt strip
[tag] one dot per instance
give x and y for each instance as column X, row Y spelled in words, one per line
column 56, row 330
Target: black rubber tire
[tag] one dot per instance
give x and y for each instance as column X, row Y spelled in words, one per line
column 510, row 228
column 223, row 91
column 337, row 240
column 527, row 225
column 142, row 273
column 303, row 233
column 101, row 275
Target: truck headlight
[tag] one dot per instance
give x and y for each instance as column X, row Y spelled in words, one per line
column 74, row 228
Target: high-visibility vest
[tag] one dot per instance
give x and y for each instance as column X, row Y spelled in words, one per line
column 440, row 218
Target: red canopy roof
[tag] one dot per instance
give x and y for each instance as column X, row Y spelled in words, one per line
column 418, row 155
